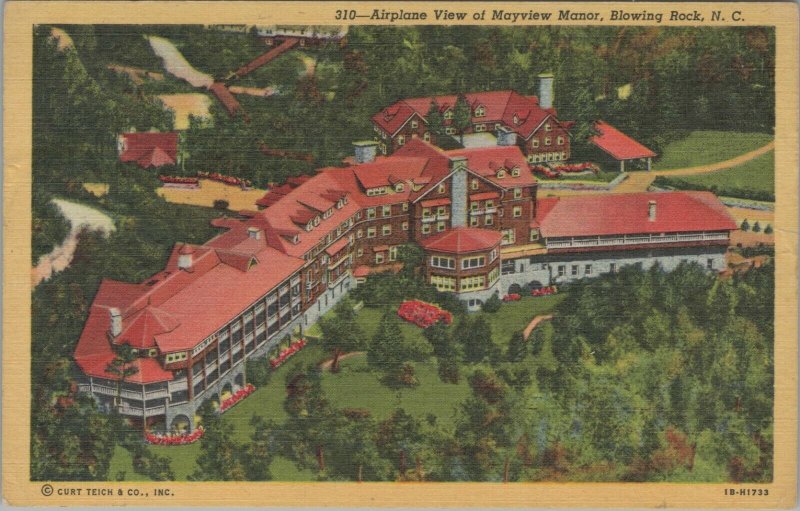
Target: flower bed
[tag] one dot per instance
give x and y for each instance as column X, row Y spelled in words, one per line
column 287, row 353
column 176, row 180
column 512, row 297
column 544, row 171
column 236, row 397
column 228, row 180
column 174, row 438
column 571, row 168
column 545, row 291
column 423, row 314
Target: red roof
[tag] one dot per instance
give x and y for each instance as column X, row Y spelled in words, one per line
column 520, row 113
column 616, row 214
column 487, row 161
column 149, row 149
column 435, row 202
column 617, row 144
column 225, row 97
column 337, row 246
column 143, row 325
column 484, row 196
column 462, row 240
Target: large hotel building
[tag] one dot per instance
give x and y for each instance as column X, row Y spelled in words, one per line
column 274, row 271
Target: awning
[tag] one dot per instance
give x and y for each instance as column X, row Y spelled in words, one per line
column 435, row 202
column 337, row 247
column 380, row 248
column 484, row 196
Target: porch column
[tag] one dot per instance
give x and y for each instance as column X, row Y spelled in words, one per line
column 622, row 166
column 649, row 163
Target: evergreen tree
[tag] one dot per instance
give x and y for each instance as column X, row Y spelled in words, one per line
column 462, row 116
column 220, row 457
column 341, row 333
column 400, row 441
column 517, row 347
column 258, row 453
column 435, row 120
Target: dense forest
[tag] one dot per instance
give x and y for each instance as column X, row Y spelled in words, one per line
column 681, row 79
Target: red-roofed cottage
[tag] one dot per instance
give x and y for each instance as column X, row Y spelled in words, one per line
column 149, row 149
column 619, row 146
column 274, row 272
column 529, row 122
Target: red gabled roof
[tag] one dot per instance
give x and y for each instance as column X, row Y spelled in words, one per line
column 617, row 144
column 337, row 246
column 149, row 149
column 487, row 161
column 616, row 214
column 499, row 106
column 142, row 326
column 461, row 240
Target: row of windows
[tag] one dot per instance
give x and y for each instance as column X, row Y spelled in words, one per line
column 474, row 220
column 540, row 157
column 447, row 263
column 472, row 283
column 473, row 262
column 547, row 141
column 440, row 226
column 380, row 257
column 176, row 357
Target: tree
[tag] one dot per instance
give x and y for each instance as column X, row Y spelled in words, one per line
column 399, row 440
column 435, row 120
column 492, row 304
column 341, row 333
column 757, row 227
column 462, row 116
column 745, row 225
column 390, row 350
column 355, row 454
column 258, row 453
column 122, row 367
column 220, row 457
column 517, row 347
column 476, row 337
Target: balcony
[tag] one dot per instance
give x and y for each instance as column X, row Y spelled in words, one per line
column 339, row 279
column 638, row 239
column 489, row 211
column 428, row 219
column 476, row 211
column 177, row 385
column 155, row 394
column 445, row 216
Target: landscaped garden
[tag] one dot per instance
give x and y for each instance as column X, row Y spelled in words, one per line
column 707, row 147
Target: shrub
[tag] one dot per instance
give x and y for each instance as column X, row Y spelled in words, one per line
column 221, row 204
column 756, row 227
column 745, row 225
column 492, row 305
column 258, row 372
column 768, row 229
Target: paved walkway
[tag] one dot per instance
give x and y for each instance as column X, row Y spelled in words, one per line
column 534, row 323
column 639, row 181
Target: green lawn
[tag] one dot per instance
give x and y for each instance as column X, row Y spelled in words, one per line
column 757, row 174
column 600, row 177
column 355, row 386
column 704, row 147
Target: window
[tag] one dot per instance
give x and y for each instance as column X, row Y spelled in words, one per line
column 515, row 172
column 360, row 233
column 501, row 174
column 473, row 262
column 472, row 283
column 443, row 283
column 517, row 193
column 393, row 253
column 370, row 213
column 474, row 206
column 441, row 211
column 562, row 270
column 587, row 270
column 480, row 111
column 448, row 263
column 474, row 185
column 488, row 220
column 414, row 123
column 386, row 230
column 440, row 226
column 442, row 188
column 387, row 211
column 359, row 252
column 450, row 131
column 370, row 232
column 480, row 128
column 494, row 275
column 426, row 136
column 509, row 237
column 448, row 114
column 426, row 212
column 493, row 255
column 560, row 140
column 517, row 211
column 426, row 228
column 405, row 226
column 534, row 234
column 548, row 140
column 535, row 142
column 473, row 221
column 401, row 139
column 574, row 269
column 489, row 204
column 548, row 127
column 405, row 206
column 399, row 187
column 379, row 258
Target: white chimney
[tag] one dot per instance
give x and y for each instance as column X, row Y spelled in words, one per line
column 365, row 151
column 116, row 321
column 185, row 258
column 458, row 191
column 254, row 233
column 546, row 90
column 651, row 210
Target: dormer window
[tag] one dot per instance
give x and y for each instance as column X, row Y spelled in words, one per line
column 448, row 115
column 480, row 111
column 309, row 226
column 316, row 220
column 516, row 119
column 515, row 172
column 399, row 187
column 501, row 174
column 339, row 204
column 442, row 188
column 296, row 239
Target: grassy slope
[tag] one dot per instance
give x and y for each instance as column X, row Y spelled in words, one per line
column 704, row 147
column 354, row 386
column 757, row 174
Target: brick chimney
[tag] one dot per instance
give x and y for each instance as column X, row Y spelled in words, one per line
column 365, row 151
column 458, row 191
column 546, row 90
column 651, row 211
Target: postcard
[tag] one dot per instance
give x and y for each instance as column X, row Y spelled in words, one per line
column 377, row 254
